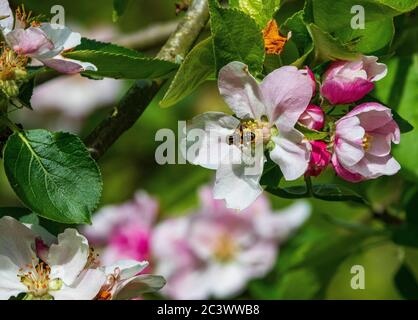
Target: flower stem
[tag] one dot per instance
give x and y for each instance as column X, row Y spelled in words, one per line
column 309, row 190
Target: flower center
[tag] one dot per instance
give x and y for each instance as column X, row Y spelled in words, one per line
column 105, row 292
column 367, row 142
column 12, row 66
column 37, row 279
column 26, row 19
column 251, row 132
column 225, row 248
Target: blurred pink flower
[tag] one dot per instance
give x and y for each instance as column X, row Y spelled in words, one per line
column 362, row 143
column 349, row 81
column 124, row 230
column 216, row 251
column 75, row 96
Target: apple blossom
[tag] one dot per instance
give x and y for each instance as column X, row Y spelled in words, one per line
column 349, row 81
column 264, row 116
column 313, row 117
column 44, row 42
column 125, row 230
column 215, row 251
column 362, row 143
column 62, row 276
column 44, row 267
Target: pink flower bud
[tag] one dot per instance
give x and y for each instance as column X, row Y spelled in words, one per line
column 320, row 158
column 313, row 117
column 349, row 81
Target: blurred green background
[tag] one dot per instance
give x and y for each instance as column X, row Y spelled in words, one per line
column 316, row 263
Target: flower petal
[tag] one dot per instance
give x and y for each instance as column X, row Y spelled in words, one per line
column 372, row 167
column 380, row 145
column 287, row 93
column 375, row 71
column 29, row 42
column 134, row 287
column 69, row 257
column 343, row 172
column 240, row 91
column 230, row 279
column 6, row 24
column 10, row 284
column 281, row 224
column 85, row 287
column 62, row 38
column 349, row 129
column 128, row 268
column 372, row 115
column 239, row 184
column 68, row 66
column 348, row 153
column 16, row 242
column 212, row 130
column 291, row 153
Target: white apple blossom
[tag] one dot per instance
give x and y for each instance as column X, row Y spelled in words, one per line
column 42, row 267
column 264, row 117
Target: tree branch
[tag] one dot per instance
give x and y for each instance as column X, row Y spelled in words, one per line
column 150, row 37
column 142, row 92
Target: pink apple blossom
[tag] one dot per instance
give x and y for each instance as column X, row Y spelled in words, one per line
column 362, row 143
column 349, row 81
column 313, row 117
column 125, row 230
column 215, row 251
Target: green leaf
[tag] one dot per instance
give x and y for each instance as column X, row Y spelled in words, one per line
column 271, row 175
column 30, row 218
column 236, row 37
column 406, row 283
column 196, row 68
column 333, row 192
column 118, row 62
column 260, row 10
column 25, row 93
column 404, row 125
column 296, row 192
column 300, row 36
column 329, row 48
column 378, row 30
column 398, row 89
column 119, row 7
column 311, row 134
column 53, row 174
